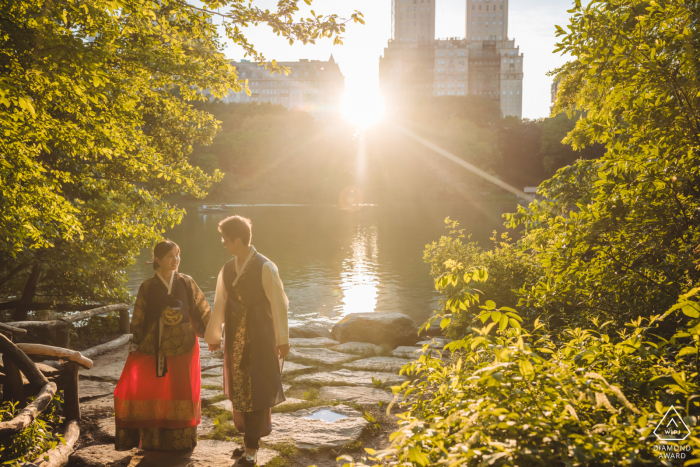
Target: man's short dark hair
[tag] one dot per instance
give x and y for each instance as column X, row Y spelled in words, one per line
column 236, row 227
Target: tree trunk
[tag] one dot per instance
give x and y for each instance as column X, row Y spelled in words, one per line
column 25, row 306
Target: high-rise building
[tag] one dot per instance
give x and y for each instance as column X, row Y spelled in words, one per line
column 413, row 20
column 487, row 20
column 314, row 86
column 485, row 62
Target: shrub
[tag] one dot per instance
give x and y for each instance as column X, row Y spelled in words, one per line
column 34, row 440
column 514, row 397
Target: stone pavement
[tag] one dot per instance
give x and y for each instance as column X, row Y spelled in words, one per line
column 313, row 367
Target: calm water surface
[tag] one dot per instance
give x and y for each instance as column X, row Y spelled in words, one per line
column 333, row 262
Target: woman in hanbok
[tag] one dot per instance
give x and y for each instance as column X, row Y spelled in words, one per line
column 157, row 399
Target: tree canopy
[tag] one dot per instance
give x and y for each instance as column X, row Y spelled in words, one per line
column 98, row 126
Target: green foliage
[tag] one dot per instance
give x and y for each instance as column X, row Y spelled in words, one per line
column 517, row 397
column 508, row 266
column 34, row 440
column 98, row 128
column 617, row 237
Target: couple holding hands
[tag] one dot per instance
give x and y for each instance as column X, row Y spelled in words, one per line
column 157, row 400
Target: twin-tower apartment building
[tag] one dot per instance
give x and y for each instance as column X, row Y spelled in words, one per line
column 415, row 65
column 485, row 62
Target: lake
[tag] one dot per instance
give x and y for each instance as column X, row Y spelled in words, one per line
column 334, row 262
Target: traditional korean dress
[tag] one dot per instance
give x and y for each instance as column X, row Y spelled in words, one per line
column 251, row 302
column 157, row 399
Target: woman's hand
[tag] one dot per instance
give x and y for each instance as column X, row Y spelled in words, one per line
column 214, row 347
column 283, row 350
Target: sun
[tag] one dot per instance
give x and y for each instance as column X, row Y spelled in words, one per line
column 363, row 107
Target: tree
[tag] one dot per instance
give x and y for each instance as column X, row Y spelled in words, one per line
column 98, row 126
column 618, row 236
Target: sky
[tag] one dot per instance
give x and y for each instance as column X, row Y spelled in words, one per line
column 531, row 24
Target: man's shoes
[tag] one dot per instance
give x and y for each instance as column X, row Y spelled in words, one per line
column 248, row 459
column 238, row 452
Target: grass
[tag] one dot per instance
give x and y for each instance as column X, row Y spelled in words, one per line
column 212, row 386
column 287, row 451
column 286, row 408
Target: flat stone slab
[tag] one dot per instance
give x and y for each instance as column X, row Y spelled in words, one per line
column 213, row 381
column 208, row 453
column 356, row 394
column 226, row 404
column 216, row 371
column 109, row 372
column 290, row 367
column 109, row 430
column 313, row 433
column 210, row 362
column 350, row 378
column 90, row 389
column 390, row 364
column 311, row 342
column 309, row 331
column 414, row 352
column 358, row 348
column 208, row 394
column 323, row 356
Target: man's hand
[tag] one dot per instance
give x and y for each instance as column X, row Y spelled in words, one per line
column 214, row 347
column 283, row 350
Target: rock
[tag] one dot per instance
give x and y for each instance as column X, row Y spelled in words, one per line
column 312, row 342
column 356, row 394
column 107, row 428
column 358, row 348
column 323, row 356
column 309, row 331
column 414, row 352
column 214, row 372
column 89, row 389
column 310, row 433
column 98, row 407
column 206, row 426
column 208, row 394
column 291, row 367
column 217, row 381
column 210, row 362
column 105, row 372
column 226, row 404
column 377, row 328
column 377, row 364
column 350, row 378
column 208, row 453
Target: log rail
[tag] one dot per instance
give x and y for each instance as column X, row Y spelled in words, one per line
column 62, row 325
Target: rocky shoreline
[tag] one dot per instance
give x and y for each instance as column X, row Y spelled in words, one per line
column 337, row 393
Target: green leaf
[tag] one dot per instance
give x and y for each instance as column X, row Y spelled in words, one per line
column 526, row 369
column 504, row 322
column 490, row 305
column 417, row 456
column 691, row 310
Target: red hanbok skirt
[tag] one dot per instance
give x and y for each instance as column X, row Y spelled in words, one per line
column 142, row 400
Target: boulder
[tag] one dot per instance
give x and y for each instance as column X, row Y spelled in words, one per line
column 358, row 348
column 358, row 395
column 208, row 453
column 319, row 355
column 346, row 377
column 394, row 329
column 312, row 342
column 309, row 331
column 391, row 364
column 318, row 428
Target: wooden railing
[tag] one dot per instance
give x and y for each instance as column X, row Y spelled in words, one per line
column 63, row 325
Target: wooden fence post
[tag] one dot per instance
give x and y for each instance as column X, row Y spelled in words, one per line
column 124, row 321
column 71, row 392
column 63, row 336
column 14, row 389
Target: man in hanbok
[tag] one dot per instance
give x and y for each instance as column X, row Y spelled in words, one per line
column 251, row 304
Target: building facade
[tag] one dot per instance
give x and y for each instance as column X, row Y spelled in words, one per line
column 485, row 62
column 314, row 86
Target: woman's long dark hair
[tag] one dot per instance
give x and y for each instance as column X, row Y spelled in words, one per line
column 162, row 249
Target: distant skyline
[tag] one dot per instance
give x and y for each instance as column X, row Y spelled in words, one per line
column 531, row 24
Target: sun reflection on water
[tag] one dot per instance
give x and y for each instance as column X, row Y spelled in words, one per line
column 359, row 286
